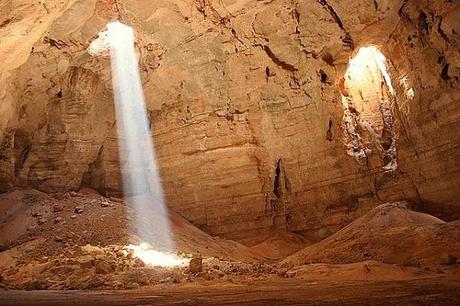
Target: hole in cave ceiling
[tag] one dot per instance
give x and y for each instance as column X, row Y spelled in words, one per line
column 367, row 98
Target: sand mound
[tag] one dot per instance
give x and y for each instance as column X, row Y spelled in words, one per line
column 390, row 233
column 279, row 245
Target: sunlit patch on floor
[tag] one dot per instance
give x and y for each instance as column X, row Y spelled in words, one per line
column 152, row 257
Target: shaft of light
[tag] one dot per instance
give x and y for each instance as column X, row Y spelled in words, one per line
column 141, row 180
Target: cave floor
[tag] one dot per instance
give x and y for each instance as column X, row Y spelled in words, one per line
column 428, row 291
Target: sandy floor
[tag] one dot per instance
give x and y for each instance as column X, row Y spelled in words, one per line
column 432, row 291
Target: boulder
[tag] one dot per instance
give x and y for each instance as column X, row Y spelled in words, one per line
column 195, row 265
column 92, row 250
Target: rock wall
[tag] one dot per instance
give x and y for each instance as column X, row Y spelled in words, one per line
column 245, row 101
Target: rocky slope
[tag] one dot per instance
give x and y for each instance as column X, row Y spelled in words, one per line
column 64, row 220
column 245, row 102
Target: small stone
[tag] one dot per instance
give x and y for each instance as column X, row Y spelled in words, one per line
column 58, row 196
column 73, row 216
column 57, row 208
column 104, row 204
column 36, row 214
column 73, row 194
column 130, row 254
column 166, row 280
column 78, row 210
column 41, row 221
column 57, row 219
column 195, row 265
column 448, row 259
column 58, row 239
column 138, row 263
column 132, row 285
column 117, row 200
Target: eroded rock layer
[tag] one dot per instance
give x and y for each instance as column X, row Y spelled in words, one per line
column 245, row 102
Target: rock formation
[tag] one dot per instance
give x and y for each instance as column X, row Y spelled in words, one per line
column 245, row 103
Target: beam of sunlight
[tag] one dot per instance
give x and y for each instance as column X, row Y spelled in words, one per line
column 139, row 166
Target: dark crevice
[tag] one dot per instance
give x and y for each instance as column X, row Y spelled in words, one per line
column 277, row 189
column 445, row 72
column 22, row 159
column 267, row 73
column 6, row 22
column 94, row 175
column 441, row 32
column 402, row 12
column 323, row 76
column 277, row 61
column 423, row 23
column 296, row 16
column 329, row 135
column 333, row 13
column 348, row 41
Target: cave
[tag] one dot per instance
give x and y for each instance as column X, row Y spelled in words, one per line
column 239, row 152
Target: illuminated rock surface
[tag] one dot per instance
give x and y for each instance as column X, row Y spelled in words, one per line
column 244, row 99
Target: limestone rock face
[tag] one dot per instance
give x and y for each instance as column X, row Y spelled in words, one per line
column 245, row 102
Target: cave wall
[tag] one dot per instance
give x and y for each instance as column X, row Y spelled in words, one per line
column 245, row 103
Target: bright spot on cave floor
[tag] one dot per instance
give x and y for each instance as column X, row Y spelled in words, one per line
column 155, row 258
column 369, row 56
